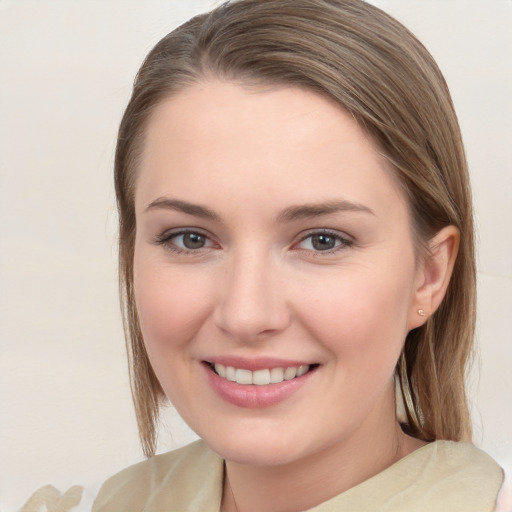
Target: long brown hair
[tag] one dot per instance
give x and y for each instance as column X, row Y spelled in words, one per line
column 377, row 70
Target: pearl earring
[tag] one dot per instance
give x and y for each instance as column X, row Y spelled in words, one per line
column 421, row 312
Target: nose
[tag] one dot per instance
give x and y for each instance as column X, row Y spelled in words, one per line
column 252, row 301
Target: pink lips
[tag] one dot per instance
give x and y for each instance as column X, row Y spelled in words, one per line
column 252, row 396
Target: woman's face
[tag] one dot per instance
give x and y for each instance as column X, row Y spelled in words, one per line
column 272, row 240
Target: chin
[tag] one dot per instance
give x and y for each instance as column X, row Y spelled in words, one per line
column 254, row 451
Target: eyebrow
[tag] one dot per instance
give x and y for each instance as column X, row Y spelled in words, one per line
column 291, row 213
column 307, row 211
column 183, row 206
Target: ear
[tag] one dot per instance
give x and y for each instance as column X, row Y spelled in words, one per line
column 433, row 275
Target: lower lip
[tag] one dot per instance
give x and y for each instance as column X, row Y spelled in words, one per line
column 252, row 396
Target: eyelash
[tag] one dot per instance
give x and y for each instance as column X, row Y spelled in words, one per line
column 166, row 240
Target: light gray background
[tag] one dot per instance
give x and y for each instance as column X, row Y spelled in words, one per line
column 66, row 69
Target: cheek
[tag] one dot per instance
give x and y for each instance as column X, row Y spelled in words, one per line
column 170, row 306
column 361, row 317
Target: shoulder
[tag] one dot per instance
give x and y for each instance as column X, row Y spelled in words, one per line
column 442, row 476
column 454, row 476
column 190, row 473
column 458, row 458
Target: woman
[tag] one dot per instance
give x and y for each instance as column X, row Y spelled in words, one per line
column 295, row 235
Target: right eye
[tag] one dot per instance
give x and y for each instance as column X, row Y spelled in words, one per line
column 184, row 241
column 190, row 240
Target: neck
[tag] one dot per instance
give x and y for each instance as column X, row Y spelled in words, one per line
column 303, row 484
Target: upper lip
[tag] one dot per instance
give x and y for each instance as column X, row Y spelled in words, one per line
column 257, row 363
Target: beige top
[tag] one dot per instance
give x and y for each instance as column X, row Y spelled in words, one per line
column 440, row 477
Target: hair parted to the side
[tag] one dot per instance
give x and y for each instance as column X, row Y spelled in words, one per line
column 377, row 70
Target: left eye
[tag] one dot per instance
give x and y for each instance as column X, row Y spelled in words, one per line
column 322, row 242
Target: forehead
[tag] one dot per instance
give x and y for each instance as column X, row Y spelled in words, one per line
column 217, row 136
column 210, row 110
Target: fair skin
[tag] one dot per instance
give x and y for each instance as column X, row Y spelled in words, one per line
column 272, row 233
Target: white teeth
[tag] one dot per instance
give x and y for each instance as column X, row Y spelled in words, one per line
column 290, row 373
column 243, row 376
column 260, row 377
column 230, row 373
column 221, row 370
column 302, row 370
column 276, row 375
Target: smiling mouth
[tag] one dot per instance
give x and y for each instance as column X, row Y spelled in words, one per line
column 262, row 377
